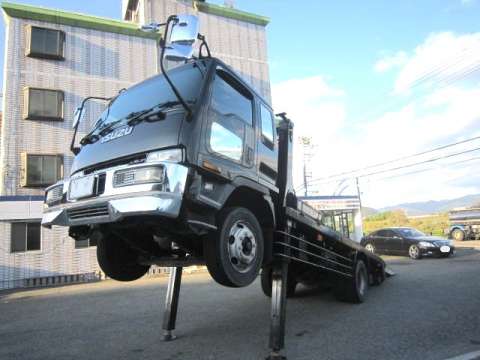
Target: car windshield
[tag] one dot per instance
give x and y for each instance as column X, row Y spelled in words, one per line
column 410, row 232
column 154, row 91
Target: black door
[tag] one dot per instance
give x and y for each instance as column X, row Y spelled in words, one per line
column 393, row 242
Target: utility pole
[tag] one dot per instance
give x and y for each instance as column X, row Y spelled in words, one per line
column 307, row 156
column 359, row 193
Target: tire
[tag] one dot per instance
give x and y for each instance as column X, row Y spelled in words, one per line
column 370, row 248
column 117, row 260
column 353, row 290
column 414, row 252
column 266, row 281
column 234, row 253
column 458, row 235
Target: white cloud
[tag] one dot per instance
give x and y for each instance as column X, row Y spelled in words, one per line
column 319, row 111
column 389, row 62
column 443, row 58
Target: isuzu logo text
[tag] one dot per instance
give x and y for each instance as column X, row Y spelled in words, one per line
column 127, row 130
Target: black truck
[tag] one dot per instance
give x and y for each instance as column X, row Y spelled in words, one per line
column 193, row 167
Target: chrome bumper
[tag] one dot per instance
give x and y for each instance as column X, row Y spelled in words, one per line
column 116, row 204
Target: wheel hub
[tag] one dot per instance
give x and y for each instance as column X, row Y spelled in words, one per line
column 242, row 247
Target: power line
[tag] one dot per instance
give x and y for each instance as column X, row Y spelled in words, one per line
column 396, row 160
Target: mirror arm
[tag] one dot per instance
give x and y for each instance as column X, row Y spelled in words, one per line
column 172, row 86
column 75, row 149
column 204, row 43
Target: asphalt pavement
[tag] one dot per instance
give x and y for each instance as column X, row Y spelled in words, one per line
column 430, row 310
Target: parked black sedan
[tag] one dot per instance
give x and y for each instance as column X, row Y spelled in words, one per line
column 407, row 241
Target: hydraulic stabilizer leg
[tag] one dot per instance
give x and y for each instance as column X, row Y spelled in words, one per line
column 278, row 311
column 171, row 303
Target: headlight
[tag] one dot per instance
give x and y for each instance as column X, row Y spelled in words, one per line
column 172, row 155
column 426, row 244
column 141, row 175
column 54, row 195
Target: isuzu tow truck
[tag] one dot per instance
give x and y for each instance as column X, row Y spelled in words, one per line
column 192, row 167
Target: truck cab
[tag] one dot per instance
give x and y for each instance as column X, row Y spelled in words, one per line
column 152, row 181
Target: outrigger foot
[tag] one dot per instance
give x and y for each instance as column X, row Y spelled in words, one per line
column 168, row 336
column 275, row 356
column 171, row 303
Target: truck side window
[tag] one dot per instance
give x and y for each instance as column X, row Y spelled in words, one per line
column 229, row 112
column 267, row 126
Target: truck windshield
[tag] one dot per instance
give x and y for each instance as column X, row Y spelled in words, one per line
column 154, row 91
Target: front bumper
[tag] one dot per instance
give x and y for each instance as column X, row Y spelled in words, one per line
column 435, row 251
column 116, row 204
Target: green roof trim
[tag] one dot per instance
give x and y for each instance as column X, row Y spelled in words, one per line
column 231, row 13
column 74, row 19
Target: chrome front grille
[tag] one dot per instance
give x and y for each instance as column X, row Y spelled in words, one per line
column 90, row 212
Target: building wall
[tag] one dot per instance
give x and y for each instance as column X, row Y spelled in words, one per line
column 95, row 62
column 241, row 44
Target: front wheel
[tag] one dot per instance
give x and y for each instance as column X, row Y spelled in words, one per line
column 234, row 253
column 117, row 260
column 414, row 252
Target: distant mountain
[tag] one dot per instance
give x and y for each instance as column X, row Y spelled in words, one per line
column 368, row 211
column 434, row 206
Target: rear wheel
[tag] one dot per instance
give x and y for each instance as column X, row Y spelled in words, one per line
column 266, row 280
column 234, row 253
column 354, row 289
column 117, row 260
column 414, row 252
column 458, row 235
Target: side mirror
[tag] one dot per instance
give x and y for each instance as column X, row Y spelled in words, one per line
column 184, row 30
column 78, row 116
column 183, row 34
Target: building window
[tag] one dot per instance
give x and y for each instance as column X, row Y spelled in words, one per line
column 82, row 244
column 41, row 170
column 45, row 43
column 43, row 104
column 25, row 237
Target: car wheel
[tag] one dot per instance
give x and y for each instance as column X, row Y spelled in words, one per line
column 234, row 253
column 353, row 289
column 458, row 235
column 370, row 248
column 266, row 281
column 414, row 252
column 117, row 260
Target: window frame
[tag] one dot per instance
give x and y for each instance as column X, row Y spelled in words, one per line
column 26, row 105
column 40, row 55
column 24, row 182
column 237, row 86
column 266, row 141
column 90, row 244
column 25, row 223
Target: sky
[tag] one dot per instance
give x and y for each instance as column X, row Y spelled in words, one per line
column 369, row 82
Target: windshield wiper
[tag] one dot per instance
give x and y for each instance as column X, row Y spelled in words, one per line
column 154, row 110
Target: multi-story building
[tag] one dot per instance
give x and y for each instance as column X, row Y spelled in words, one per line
column 53, row 59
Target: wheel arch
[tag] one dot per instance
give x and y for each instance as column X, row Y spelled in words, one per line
column 261, row 205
